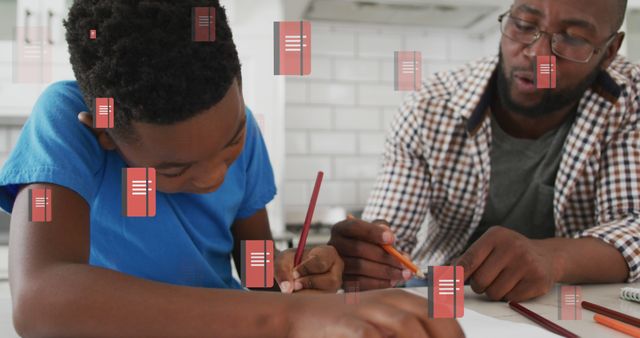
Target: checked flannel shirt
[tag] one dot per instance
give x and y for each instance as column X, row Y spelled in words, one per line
column 437, row 163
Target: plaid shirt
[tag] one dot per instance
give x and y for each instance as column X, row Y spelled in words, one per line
column 437, row 163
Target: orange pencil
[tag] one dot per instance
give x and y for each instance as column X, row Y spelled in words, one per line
column 402, row 259
column 617, row 325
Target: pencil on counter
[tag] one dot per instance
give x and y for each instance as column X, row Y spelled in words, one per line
column 610, row 313
column 545, row 323
column 617, row 325
column 401, row 258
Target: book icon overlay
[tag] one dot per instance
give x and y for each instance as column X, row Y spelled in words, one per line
column 446, row 291
column 407, row 70
column 546, row 72
column 33, row 55
column 292, row 48
column 351, row 292
column 257, row 263
column 139, row 192
column 203, row 24
column 103, row 117
column 40, row 205
column 569, row 298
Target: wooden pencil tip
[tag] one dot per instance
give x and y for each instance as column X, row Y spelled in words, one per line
column 420, row 275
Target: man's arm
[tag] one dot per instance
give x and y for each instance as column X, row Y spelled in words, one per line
column 399, row 198
column 506, row 265
column 586, row 260
column 618, row 190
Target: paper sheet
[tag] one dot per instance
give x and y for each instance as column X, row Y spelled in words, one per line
column 477, row 325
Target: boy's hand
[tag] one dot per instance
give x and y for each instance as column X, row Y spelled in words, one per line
column 377, row 314
column 321, row 270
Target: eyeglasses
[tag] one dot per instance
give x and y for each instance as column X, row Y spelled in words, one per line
column 563, row 45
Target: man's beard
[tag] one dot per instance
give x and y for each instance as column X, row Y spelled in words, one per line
column 552, row 99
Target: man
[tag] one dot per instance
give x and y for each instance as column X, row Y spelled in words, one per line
column 524, row 187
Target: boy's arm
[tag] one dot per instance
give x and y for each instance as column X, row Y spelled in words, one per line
column 56, row 293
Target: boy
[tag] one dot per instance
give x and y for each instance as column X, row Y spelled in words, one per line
column 179, row 109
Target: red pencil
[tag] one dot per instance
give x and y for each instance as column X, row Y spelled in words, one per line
column 611, row 313
column 307, row 221
column 547, row 324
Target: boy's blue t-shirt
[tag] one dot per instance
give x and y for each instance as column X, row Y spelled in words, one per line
column 188, row 242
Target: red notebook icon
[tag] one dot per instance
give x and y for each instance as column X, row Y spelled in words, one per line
column 569, row 299
column 203, row 24
column 257, row 263
column 407, row 70
column 92, row 34
column 139, row 192
column 292, row 48
column 104, row 113
column 446, row 291
column 40, row 205
column 546, row 72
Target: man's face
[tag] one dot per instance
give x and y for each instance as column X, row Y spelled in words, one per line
column 191, row 156
column 589, row 20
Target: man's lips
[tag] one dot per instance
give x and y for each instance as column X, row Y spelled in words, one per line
column 524, row 76
column 524, row 82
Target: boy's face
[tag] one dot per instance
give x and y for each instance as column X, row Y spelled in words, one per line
column 191, row 156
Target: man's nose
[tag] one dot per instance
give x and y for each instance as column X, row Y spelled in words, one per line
column 540, row 47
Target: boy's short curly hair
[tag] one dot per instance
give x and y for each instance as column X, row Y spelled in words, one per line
column 144, row 58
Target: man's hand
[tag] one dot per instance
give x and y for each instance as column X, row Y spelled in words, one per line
column 506, row 265
column 321, row 270
column 365, row 262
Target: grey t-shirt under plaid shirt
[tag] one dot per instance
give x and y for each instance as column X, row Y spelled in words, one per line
column 523, row 172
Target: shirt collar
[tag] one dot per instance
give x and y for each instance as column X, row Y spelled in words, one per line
column 473, row 98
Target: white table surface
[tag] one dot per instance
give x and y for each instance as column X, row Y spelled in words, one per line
column 605, row 295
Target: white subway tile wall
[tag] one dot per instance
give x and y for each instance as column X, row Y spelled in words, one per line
column 337, row 118
column 9, row 134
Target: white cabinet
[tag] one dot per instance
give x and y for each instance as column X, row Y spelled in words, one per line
column 33, row 52
column 633, row 33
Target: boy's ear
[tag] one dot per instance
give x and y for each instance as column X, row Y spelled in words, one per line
column 105, row 140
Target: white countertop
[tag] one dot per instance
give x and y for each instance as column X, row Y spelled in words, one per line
column 605, row 295
column 546, row 306
column 6, row 324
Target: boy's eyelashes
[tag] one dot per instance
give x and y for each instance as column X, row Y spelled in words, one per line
column 235, row 142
